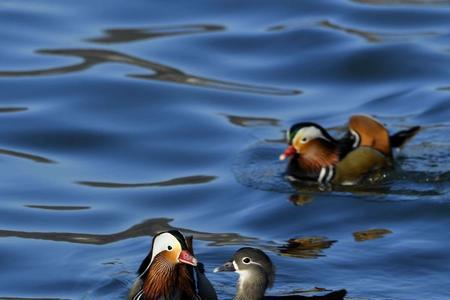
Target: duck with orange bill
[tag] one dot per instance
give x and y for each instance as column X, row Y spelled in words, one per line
column 366, row 148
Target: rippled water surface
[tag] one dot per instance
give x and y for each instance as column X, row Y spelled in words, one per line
column 119, row 119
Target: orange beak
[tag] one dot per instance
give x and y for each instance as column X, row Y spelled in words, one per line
column 290, row 150
column 187, row 258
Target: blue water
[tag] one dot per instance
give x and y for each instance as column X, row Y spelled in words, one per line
column 119, row 119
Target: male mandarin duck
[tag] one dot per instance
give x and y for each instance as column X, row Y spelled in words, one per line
column 257, row 273
column 171, row 272
column 365, row 148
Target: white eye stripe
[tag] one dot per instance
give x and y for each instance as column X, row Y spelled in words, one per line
column 309, row 133
column 255, row 263
column 357, row 138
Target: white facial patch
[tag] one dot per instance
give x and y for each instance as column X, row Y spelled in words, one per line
column 309, row 133
column 162, row 243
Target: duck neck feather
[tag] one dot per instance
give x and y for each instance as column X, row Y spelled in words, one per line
column 252, row 285
column 167, row 281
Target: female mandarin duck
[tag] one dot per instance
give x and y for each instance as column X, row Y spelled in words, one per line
column 257, row 273
column 366, row 148
column 171, row 272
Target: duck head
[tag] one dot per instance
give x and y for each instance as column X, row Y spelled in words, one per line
column 164, row 271
column 256, row 272
column 171, row 246
column 311, row 145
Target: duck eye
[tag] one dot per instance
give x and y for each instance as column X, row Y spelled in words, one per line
column 246, row 260
column 169, row 247
column 304, row 140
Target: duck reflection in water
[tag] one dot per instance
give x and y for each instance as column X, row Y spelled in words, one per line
column 305, row 247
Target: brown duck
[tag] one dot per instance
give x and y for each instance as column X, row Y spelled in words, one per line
column 365, row 149
column 171, row 272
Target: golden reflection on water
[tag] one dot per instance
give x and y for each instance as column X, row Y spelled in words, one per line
column 126, row 35
column 196, row 179
column 300, row 200
column 306, row 247
column 371, row 234
column 159, row 72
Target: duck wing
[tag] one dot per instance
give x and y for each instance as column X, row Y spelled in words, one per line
column 369, row 132
column 358, row 164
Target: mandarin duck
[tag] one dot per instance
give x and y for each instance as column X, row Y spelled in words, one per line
column 365, row 149
column 171, row 272
column 257, row 273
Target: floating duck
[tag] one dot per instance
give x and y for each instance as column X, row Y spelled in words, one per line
column 171, row 272
column 257, row 273
column 366, row 148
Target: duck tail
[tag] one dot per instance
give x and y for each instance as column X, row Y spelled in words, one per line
column 400, row 138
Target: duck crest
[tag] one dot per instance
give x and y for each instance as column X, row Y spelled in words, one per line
column 166, row 281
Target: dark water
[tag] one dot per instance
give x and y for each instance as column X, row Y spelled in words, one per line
column 119, row 119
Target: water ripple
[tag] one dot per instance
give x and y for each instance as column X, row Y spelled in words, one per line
column 377, row 37
column 149, row 227
column 119, row 35
column 57, row 207
column 28, row 156
column 244, row 121
column 12, row 109
column 93, row 57
column 196, row 179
